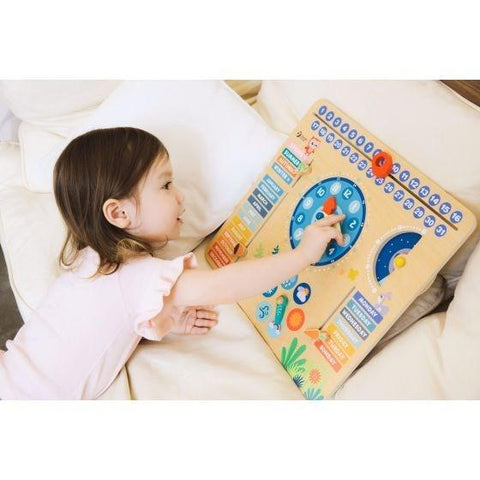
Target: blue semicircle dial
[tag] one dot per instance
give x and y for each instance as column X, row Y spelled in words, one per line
column 350, row 202
column 400, row 244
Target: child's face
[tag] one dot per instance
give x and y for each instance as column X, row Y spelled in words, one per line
column 160, row 205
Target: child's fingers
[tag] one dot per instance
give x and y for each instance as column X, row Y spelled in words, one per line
column 189, row 321
column 199, row 330
column 199, row 322
column 329, row 220
column 210, row 308
column 335, row 235
column 211, row 314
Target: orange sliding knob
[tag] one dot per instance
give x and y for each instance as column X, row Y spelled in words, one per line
column 382, row 164
column 330, row 205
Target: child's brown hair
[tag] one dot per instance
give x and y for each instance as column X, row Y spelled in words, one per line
column 98, row 165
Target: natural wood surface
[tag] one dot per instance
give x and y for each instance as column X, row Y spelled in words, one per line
column 469, row 89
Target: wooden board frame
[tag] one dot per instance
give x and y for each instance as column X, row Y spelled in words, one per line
column 323, row 322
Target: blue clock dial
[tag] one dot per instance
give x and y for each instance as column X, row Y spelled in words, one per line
column 315, row 204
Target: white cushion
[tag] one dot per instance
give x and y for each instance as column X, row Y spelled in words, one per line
column 53, row 104
column 437, row 358
column 217, row 143
column 47, row 112
column 9, row 124
column 10, row 168
column 37, row 145
column 424, row 121
column 31, row 233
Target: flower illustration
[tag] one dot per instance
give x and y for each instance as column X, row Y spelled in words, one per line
column 314, row 376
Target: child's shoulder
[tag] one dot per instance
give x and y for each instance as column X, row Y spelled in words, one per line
column 156, row 270
column 86, row 266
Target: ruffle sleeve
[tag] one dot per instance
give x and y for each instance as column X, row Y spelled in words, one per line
column 145, row 285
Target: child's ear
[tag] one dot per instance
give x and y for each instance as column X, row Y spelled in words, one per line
column 116, row 212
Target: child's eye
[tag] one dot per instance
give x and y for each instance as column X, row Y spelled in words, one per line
column 167, row 185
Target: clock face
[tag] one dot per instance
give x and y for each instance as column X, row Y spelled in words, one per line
column 335, row 195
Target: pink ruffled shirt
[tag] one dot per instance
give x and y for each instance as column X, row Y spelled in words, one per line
column 84, row 331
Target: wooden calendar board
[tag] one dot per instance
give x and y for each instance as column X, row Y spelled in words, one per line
column 399, row 230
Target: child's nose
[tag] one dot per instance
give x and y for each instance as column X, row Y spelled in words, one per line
column 180, row 196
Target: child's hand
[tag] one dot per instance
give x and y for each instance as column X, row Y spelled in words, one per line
column 317, row 236
column 195, row 321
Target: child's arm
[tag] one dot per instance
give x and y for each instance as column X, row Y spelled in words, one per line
column 247, row 278
column 236, row 281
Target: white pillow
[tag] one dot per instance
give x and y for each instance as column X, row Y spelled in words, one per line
column 31, row 233
column 424, row 121
column 53, row 104
column 437, row 358
column 47, row 112
column 10, row 172
column 37, row 145
column 9, row 124
column 217, row 143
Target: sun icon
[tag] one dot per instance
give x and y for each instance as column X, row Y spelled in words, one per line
column 295, row 319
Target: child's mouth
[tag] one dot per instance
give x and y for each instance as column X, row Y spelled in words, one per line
column 179, row 219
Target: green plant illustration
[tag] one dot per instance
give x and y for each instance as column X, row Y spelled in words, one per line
column 313, row 394
column 298, row 380
column 291, row 358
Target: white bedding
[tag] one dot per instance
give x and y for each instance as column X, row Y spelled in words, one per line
column 8, row 124
column 233, row 362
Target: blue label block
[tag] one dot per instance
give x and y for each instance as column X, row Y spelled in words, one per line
column 267, row 192
column 368, row 307
column 347, row 330
column 262, row 199
column 296, row 162
column 273, row 185
column 247, row 219
column 282, row 173
column 252, row 213
column 361, row 315
column 254, row 202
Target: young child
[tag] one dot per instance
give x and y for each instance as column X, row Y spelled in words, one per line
column 114, row 188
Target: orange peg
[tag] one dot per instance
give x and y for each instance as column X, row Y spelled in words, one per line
column 382, row 164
